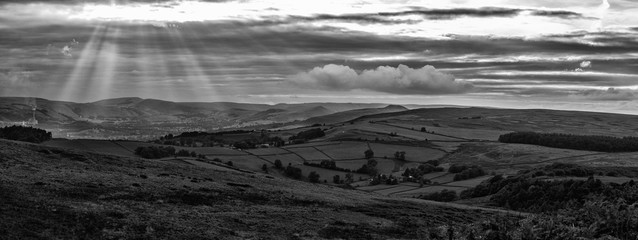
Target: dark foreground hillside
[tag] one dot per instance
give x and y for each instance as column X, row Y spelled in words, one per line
column 51, row 193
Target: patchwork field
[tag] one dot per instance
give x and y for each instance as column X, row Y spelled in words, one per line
column 412, row 154
column 285, row 159
column 345, row 150
column 499, row 155
column 310, row 154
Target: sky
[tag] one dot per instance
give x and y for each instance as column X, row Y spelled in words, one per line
column 568, row 54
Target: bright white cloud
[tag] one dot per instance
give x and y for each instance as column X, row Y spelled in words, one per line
column 401, row 80
column 585, row 64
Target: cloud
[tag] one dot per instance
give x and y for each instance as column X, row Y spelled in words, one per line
column 611, row 94
column 400, row 80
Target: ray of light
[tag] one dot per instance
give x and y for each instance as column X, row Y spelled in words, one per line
column 102, row 79
column 195, row 78
column 75, row 85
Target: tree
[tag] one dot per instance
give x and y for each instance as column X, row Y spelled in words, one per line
column 313, row 177
column 229, row 163
column 399, row 155
column 264, row 168
column 349, row 177
column 423, row 129
column 336, row 179
column 369, row 154
column 278, row 164
column 293, row 172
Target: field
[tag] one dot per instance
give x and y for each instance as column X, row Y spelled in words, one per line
column 285, row 159
column 73, row 194
column 512, row 156
column 310, row 154
column 247, row 162
column 412, row 154
column 99, row 146
column 267, row 151
column 345, row 150
column 465, row 133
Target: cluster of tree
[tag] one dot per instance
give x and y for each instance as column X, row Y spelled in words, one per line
column 399, row 155
column 307, row 135
column 543, row 195
column 469, row 173
column 382, row 178
column 25, row 134
column 415, row 174
column 570, row 141
column 327, row 164
column 369, row 168
column 368, row 154
column 313, row 177
column 243, row 139
column 293, row 172
column 442, row 196
column 565, row 169
column 153, row 152
column 337, row 179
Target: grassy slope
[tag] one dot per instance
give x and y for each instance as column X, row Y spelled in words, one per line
column 46, row 192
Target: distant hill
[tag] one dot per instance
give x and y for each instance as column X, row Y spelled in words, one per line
column 535, row 120
column 353, row 114
column 124, row 117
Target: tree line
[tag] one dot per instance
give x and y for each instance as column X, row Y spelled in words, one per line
column 571, row 141
column 25, row 134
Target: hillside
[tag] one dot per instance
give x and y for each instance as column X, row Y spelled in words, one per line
column 68, row 194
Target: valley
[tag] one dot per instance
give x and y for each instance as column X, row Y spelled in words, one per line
column 365, row 177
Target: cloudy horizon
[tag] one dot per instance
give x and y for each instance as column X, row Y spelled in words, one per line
column 573, row 55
